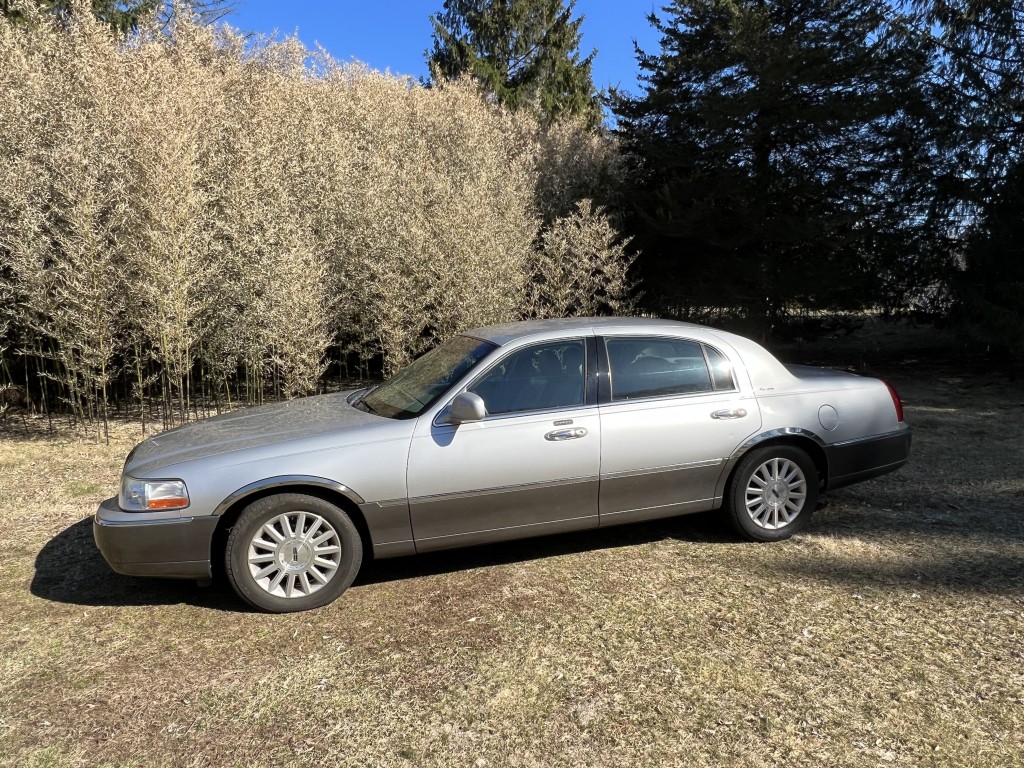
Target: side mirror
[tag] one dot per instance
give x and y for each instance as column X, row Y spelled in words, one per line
column 467, row 406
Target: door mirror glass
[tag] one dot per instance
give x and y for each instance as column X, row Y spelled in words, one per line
column 466, row 406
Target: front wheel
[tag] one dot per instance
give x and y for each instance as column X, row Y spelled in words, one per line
column 772, row 493
column 292, row 552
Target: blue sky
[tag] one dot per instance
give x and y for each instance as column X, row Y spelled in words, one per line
column 393, row 34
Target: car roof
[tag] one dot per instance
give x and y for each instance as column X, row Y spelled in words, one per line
column 584, row 326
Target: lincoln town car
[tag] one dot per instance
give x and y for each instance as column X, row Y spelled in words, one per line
column 500, row 433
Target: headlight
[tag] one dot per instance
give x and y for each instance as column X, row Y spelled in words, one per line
column 148, row 495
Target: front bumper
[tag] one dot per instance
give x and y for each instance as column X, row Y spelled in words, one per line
column 856, row 460
column 136, row 544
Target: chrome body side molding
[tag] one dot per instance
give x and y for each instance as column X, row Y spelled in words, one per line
column 283, row 480
column 772, row 434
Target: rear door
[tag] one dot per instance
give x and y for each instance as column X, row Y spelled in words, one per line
column 671, row 415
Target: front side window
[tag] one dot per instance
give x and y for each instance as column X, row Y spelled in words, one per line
column 419, row 385
column 534, row 378
column 653, row 367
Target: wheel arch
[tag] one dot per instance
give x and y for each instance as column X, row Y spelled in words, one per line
column 330, row 491
column 796, row 437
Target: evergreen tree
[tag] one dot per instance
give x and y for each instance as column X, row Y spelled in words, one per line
column 123, row 15
column 780, row 155
column 523, row 52
column 978, row 87
column 990, row 292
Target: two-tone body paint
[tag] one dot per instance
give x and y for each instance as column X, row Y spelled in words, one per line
column 422, row 484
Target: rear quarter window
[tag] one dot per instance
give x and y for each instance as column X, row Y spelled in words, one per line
column 721, row 369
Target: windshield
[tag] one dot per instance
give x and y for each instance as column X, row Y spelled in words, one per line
column 422, row 382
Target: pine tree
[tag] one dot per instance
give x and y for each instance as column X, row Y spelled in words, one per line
column 990, row 292
column 780, row 148
column 525, row 53
column 123, row 15
column 978, row 88
column 979, row 85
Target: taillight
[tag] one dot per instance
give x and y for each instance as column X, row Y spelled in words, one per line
column 897, row 403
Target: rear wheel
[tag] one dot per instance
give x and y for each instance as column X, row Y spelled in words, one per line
column 772, row 493
column 292, row 552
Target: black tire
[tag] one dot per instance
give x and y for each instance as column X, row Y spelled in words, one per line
column 772, row 493
column 292, row 552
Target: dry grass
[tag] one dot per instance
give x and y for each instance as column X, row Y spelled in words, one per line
column 889, row 634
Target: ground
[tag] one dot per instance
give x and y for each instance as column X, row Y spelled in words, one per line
column 887, row 634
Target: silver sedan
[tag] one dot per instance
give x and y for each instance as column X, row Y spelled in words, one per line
column 500, row 433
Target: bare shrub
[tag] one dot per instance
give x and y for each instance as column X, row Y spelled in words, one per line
column 574, row 162
column 428, row 206
column 272, row 311
column 173, row 262
column 213, row 217
column 582, row 268
column 63, row 193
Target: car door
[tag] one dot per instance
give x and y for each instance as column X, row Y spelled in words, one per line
column 672, row 412
column 529, row 467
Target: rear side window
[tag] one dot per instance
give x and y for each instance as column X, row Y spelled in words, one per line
column 652, row 367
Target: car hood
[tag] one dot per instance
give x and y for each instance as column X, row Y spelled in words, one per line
column 294, row 420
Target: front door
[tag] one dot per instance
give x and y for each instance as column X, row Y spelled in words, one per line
column 530, row 467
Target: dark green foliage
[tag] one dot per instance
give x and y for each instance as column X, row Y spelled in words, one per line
column 780, row 156
column 524, row 52
column 990, row 292
column 979, row 78
column 122, row 16
column 979, row 90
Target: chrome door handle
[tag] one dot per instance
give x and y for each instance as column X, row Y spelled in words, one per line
column 566, row 434
column 729, row 413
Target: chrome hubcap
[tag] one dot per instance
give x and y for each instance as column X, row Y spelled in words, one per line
column 294, row 554
column 775, row 493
